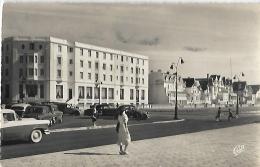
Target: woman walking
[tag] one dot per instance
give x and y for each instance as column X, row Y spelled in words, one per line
column 124, row 138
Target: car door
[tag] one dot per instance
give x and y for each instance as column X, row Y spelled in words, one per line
column 10, row 129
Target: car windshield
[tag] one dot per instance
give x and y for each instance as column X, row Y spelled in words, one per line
column 17, row 108
column 8, row 117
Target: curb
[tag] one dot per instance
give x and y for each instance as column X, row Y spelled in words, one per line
column 110, row 126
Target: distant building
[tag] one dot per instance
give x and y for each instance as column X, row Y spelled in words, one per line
column 192, row 89
column 162, row 89
column 52, row 69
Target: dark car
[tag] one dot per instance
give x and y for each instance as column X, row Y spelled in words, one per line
column 43, row 112
column 102, row 110
column 71, row 111
column 132, row 112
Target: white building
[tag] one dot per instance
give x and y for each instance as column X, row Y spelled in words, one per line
column 52, row 69
column 162, row 88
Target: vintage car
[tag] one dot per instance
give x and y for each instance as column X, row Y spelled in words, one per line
column 44, row 112
column 15, row 128
column 132, row 112
column 20, row 108
column 102, row 109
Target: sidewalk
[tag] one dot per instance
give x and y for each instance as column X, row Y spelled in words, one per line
column 233, row 146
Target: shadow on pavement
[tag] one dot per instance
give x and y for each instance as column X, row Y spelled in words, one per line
column 89, row 153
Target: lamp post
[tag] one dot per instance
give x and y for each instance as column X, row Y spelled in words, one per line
column 238, row 79
column 98, row 85
column 175, row 65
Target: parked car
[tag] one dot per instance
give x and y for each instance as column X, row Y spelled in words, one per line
column 43, row 112
column 16, row 128
column 132, row 112
column 20, row 108
column 103, row 110
column 58, row 115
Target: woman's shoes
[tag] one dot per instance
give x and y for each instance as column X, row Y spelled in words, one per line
column 123, row 152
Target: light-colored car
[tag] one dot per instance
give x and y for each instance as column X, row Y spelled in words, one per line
column 15, row 128
column 20, row 108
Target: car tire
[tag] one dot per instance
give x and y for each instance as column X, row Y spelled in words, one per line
column 36, row 136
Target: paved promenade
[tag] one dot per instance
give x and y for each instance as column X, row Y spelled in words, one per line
column 227, row 147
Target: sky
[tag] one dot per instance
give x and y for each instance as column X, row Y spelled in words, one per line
column 221, row 39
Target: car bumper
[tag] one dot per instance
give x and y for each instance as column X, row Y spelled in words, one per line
column 47, row 132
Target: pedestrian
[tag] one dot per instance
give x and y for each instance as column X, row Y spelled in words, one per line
column 230, row 114
column 94, row 115
column 218, row 114
column 124, row 138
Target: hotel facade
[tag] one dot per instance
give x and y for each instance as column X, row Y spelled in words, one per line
column 38, row 69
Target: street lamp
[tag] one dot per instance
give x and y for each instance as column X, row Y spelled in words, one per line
column 98, row 85
column 238, row 79
column 175, row 65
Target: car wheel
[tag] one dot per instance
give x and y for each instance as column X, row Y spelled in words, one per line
column 36, row 136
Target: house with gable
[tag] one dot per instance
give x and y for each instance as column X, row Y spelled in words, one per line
column 192, row 89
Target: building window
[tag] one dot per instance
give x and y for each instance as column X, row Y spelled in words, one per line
column 59, row 48
column 59, row 91
column 41, row 91
column 143, row 81
column 89, row 76
column 41, row 72
column 131, row 94
column 81, row 75
column 121, row 94
column 121, row 79
column 81, row 51
column 132, row 80
column 7, row 91
column 89, row 64
column 132, row 70
column 89, row 92
column 32, row 90
column 97, row 54
column 30, row 59
column 111, row 78
column 20, row 72
column 71, row 73
column 96, row 65
column 59, row 60
column 104, row 66
column 6, row 59
column 31, row 46
column 121, row 68
column 142, row 95
column 40, row 47
column 36, row 59
column 71, row 61
column 111, row 93
column 21, row 59
column 96, row 93
column 36, row 71
column 70, row 49
column 136, row 70
column 31, row 72
column 58, row 73
column 42, row 59
column 89, row 53
column 122, row 58
column 81, row 92
column 104, row 56
column 143, row 71
column 137, row 61
column 104, row 93
column 136, row 80
column 117, row 57
column 23, row 46
column 111, row 67
column 111, row 56
column 132, row 60
column 96, row 77
column 104, row 77
column 143, row 62
column 81, row 63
